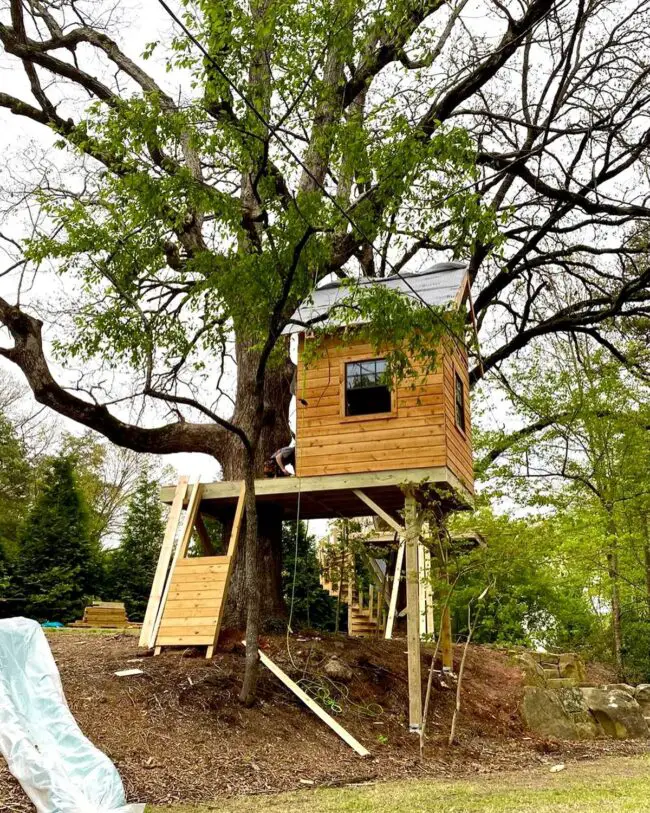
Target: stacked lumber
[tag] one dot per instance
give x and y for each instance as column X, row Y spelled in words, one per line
column 104, row 614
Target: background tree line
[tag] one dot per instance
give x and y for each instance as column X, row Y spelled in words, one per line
column 86, row 523
column 78, row 523
column 564, row 507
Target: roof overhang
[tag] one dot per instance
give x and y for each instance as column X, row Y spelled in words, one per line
column 441, row 285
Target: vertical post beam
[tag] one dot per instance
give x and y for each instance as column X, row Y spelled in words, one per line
column 162, row 567
column 423, row 578
column 181, row 550
column 431, row 627
column 413, row 611
column 390, row 621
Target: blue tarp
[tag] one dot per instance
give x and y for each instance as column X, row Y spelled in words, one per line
column 60, row 770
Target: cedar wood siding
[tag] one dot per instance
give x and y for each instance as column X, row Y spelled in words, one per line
column 420, row 433
column 459, row 443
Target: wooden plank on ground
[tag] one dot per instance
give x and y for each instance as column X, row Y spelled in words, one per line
column 166, row 549
column 313, row 706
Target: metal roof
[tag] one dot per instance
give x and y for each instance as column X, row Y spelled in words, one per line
column 439, row 284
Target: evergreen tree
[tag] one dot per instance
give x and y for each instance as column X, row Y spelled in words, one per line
column 55, row 573
column 132, row 565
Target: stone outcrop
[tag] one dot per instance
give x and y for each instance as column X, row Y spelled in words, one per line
column 549, row 670
column 558, row 704
column 574, row 704
column 617, row 712
column 544, row 714
column 642, row 697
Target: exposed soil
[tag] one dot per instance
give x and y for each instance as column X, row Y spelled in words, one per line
column 177, row 732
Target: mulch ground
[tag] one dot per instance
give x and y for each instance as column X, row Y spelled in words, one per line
column 178, row 733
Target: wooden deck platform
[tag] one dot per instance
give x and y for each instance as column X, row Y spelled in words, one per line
column 330, row 496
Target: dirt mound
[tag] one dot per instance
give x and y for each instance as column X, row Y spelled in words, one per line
column 177, row 732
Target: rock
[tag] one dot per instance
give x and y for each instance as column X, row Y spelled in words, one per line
column 338, row 670
column 575, row 705
column 561, row 683
column 550, row 672
column 544, row 714
column 571, row 666
column 547, row 658
column 618, row 713
column 619, row 687
column 642, row 693
column 533, row 672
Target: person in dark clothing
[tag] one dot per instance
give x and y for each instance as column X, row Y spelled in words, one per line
column 277, row 465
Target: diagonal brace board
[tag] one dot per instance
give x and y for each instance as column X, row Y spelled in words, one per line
column 190, row 516
column 162, row 567
column 232, row 550
column 395, row 592
column 313, row 706
column 394, row 524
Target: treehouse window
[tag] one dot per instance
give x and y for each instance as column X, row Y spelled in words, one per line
column 460, row 403
column 366, row 391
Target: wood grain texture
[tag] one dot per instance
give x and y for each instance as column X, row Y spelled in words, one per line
column 420, row 433
column 198, row 587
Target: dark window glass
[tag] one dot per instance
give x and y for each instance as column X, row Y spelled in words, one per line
column 366, row 392
column 460, row 403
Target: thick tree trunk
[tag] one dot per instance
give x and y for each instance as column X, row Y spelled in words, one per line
column 275, row 434
column 253, row 603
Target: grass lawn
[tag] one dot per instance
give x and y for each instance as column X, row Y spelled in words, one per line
column 606, row 786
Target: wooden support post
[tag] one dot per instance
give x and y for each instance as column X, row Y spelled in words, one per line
column 431, row 625
column 446, row 643
column 413, row 612
column 166, row 550
column 446, row 646
column 395, row 592
column 422, row 578
column 371, row 596
column 181, row 550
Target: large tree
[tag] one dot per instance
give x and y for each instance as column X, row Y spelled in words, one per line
column 315, row 140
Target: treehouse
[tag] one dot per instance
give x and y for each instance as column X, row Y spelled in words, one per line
column 349, row 420
column 366, row 446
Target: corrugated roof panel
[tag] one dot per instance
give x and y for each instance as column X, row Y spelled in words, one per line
column 437, row 285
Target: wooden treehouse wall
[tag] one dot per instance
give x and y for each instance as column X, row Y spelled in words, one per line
column 420, row 432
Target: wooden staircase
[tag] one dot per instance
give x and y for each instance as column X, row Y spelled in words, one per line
column 366, row 618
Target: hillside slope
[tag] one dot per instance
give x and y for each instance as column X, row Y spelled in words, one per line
column 177, row 732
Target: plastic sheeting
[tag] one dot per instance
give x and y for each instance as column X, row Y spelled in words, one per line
column 59, row 769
